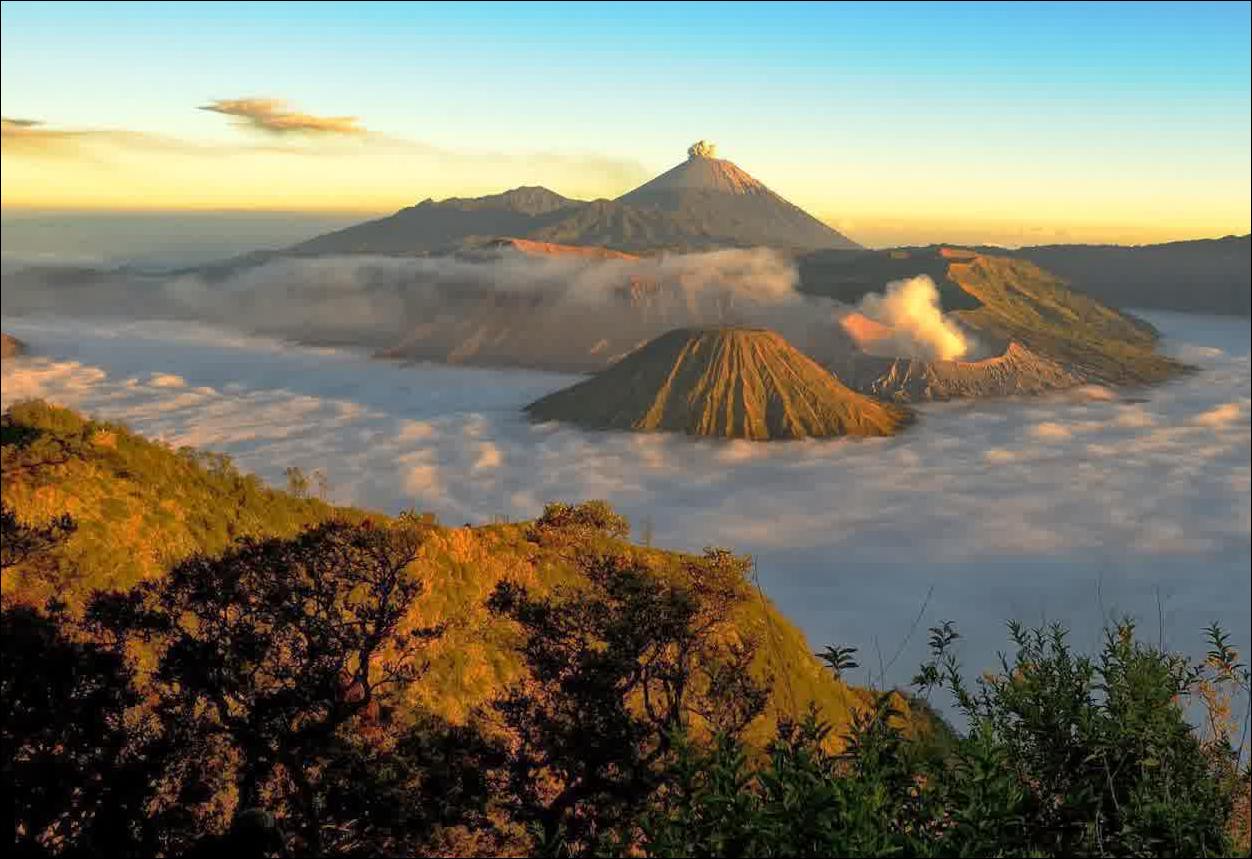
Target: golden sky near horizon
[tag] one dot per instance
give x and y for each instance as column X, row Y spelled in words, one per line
column 1003, row 123
column 298, row 162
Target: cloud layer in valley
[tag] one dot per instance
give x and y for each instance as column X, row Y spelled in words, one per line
column 1071, row 507
column 509, row 309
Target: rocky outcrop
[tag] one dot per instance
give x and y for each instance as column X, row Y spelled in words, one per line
column 1017, row 371
column 10, row 347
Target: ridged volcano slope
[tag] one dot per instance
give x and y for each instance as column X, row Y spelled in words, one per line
column 724, row 382
column 717, row 203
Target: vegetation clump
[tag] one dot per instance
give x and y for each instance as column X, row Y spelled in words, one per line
column 272, row 698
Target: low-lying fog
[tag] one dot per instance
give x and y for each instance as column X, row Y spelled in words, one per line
column 502, row 308
column 1073, row 507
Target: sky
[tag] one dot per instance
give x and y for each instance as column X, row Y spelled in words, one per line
column 895, row 123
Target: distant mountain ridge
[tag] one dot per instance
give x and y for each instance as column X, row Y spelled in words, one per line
column 433, row 226
column 704, row 202
column 1197, row 276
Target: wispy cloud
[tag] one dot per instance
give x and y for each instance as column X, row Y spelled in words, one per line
column 33, row 134
column 36, row 137
column 342, row 165
column 274, row 116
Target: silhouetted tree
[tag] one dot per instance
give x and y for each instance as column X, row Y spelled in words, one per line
column 278, row 644
column 68, row 767
column 74, row 767
column 21, row 542
column 398, row 795
column 617, row 667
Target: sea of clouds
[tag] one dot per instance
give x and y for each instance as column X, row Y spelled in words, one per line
column 1076, row 507
column 498, row 308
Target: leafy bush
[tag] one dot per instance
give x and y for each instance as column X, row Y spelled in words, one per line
column 581, row 520
column 1064, row 755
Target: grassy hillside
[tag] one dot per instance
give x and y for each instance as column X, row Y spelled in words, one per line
column 721, row 382
column 140, row 506
column 475, row 659
column 1020, row 301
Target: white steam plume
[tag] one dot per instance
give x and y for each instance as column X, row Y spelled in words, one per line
column 910, row 323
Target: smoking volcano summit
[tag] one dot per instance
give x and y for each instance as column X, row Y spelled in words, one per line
column 702, row 203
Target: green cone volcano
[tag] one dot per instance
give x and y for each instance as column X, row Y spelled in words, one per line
column 722, row 382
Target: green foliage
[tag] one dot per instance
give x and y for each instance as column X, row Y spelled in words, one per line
column 1064, row 755
column 277, row 644
column 140, row 506
column 805, row 800
column 259, row 699
column 1102, row 758
column 619, row 665
column 580, row 520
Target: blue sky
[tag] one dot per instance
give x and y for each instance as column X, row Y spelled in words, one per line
column 838, row 106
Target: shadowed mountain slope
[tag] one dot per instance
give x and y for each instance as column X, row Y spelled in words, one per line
column 723, row 382
column 433, row 226
column 704, row 202
column 1202, row 276
column 715, row 198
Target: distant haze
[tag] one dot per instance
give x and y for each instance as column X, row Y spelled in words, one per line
column 161, row 239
